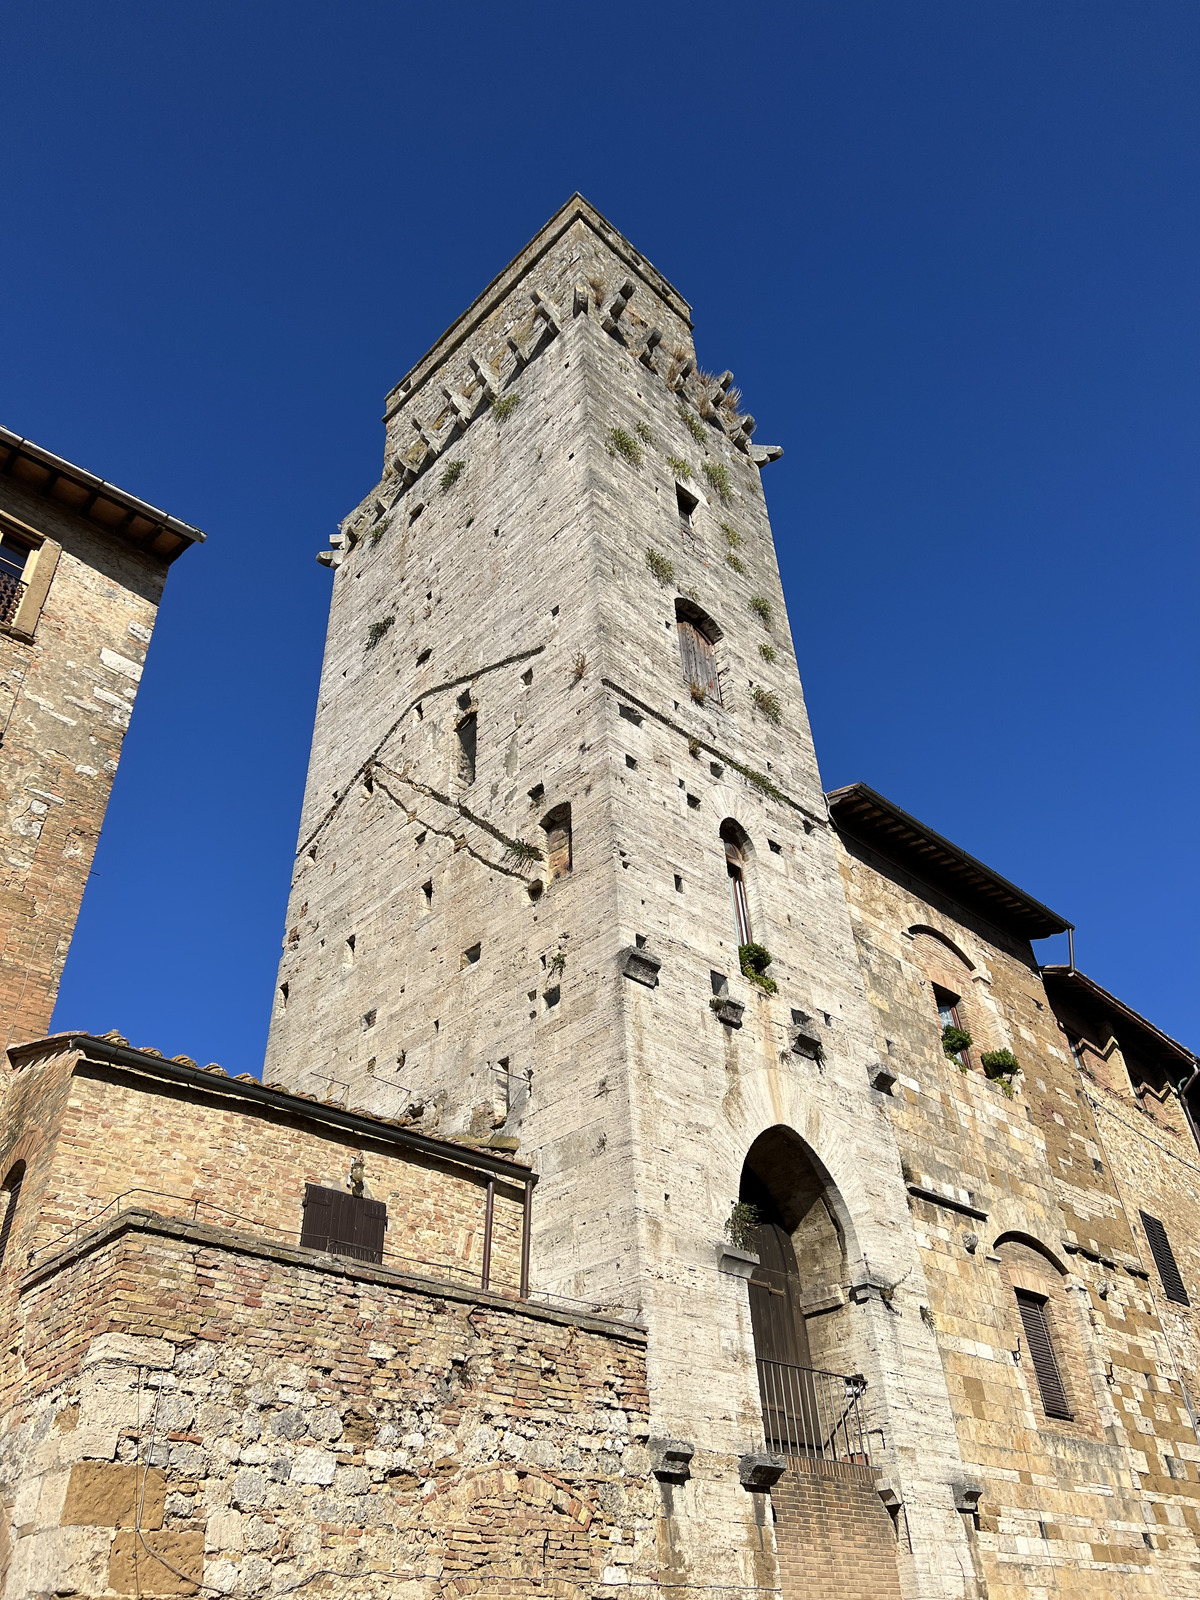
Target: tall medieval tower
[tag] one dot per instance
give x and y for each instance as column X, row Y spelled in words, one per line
column 561, row 777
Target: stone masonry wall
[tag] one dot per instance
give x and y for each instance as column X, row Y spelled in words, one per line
column 430, row 959
column 66, row 701
column 1026, row 1192
column 196, row 1410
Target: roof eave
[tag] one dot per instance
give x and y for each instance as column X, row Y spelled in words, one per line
column 166, row 536
column 1025, row 916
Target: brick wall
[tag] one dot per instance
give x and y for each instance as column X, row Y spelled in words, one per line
column 834, row 1536
column 90, row 1131
column 296, row 1416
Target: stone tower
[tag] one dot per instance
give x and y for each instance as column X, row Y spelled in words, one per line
column 561, row 775
column 82, row 569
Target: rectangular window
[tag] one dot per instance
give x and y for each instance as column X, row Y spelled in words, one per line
column 346, row 1224
column 699, row 660
column 13, row 558
column 948, row 1016
column 1164, row 1259
column 1041, row 1352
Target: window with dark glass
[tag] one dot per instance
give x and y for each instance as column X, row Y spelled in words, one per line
column 949, row 1016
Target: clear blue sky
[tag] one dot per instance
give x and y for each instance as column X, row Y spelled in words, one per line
column 948, row 249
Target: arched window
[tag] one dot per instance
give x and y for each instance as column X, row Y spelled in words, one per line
column 556, row 825
column 698, row 636
column 737, row 848
column 12, row 1194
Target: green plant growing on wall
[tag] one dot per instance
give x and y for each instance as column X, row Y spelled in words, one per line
column 558, row 963
column 451, row 475
column 759, row 780
column 768, row 703
column 504, row 405
column 1001, row 1067
column 954, row 1042
column 698, row 692
column 692, row 423
column 625, row 445
column 663, row 570
column 761, row 608
column 522, row 851
column 735, row 562
column 741, row 1225
column 679, row 467
column 768, row 652
column 754, row 959
column 377, row 630
column 732, row 537
column 643, row 432
column 718, row 477
column 694, row 748
column 579, row 666
column 378, row 531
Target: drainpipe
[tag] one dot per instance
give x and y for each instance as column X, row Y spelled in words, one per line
column 1182, row 1092
column 1070, row 947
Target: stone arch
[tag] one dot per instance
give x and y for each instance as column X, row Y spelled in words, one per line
column 950, row 988
column 806, row 1242
column 1041, row 1320
column 1027, row 1241
column 923, row 930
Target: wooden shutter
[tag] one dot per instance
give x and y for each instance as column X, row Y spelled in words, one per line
column 699, row 659
column 1041, row 1352
column 318, row 1216
column 1164, row 1259
column 347, row 1224
column 13, row 1192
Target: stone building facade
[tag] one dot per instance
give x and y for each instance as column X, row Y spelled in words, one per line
column 665, row 1176
column 82, row 568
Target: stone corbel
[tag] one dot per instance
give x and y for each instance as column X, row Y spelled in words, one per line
column 520, row 356
column 548, row 310
column 653, row 340
column 489, row 381
column 617, row 308
column 671, row 1460
column 967, row 1494
column 738, row 1263
column 730, row 1012
column 683, row 375
column 580, row 301
column 462, row 407
column 640, row 965
column 759, row 1473
column 763, row 455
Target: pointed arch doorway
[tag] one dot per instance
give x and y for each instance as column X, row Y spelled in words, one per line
column 810, row 1409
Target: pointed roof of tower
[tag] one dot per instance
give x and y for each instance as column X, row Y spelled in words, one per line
column 576, row 209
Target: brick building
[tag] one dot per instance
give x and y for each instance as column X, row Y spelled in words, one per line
column 666, row 1176
column 82, row 569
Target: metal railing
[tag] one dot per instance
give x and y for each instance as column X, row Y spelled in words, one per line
column 810, row 1414
column 11, row 591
